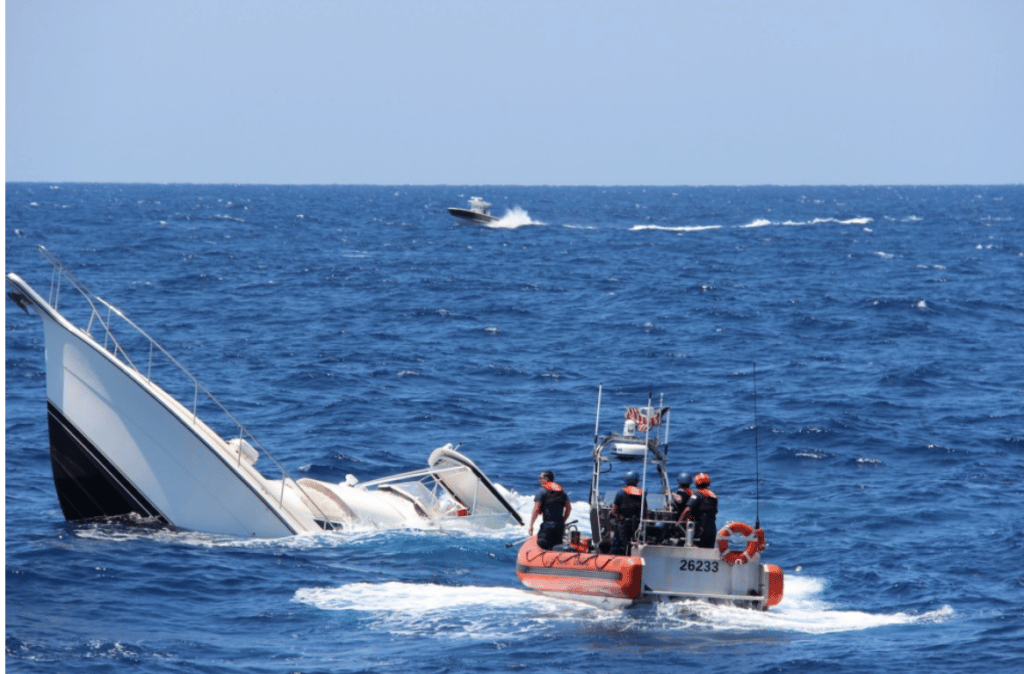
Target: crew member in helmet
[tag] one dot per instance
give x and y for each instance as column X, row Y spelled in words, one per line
column 553, row 503
column 627, row 510
column 702, row 508
column 681, row 496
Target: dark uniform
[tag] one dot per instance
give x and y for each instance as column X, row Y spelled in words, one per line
column 628, row 507
column 680, row 498
column 552, row 506
column 703, row 507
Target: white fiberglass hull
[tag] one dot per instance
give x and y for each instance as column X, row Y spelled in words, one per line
column 120, row 445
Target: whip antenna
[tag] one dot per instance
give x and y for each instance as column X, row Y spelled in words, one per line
column 757, row 461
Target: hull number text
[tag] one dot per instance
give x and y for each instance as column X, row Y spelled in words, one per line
column 701, row 565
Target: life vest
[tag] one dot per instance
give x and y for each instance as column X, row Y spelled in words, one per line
column 680, row 498
column 629, row 507
column 552, row 504
column 707, row 502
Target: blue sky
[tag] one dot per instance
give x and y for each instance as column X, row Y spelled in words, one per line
column 519, row 92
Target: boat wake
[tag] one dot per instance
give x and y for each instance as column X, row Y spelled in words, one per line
column 513, row 219
column 759, row 222
column 510, row 613
column 802, row 612
column 661, row 228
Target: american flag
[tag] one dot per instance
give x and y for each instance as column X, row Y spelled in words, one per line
column 644, row 417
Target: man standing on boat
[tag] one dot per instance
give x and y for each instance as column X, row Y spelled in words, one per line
column 553, row 503
column 702, row 508
column 627, row 509
column 681, row 496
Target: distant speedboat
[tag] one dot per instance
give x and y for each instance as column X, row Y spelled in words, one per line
column 122, row 446
column 479, row 211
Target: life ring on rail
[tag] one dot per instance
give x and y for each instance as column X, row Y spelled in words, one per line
column 726, row 534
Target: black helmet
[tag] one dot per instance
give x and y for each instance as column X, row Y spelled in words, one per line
column 684, row 479
column 633, row 477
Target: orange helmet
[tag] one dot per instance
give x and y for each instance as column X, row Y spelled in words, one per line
column 702, row 480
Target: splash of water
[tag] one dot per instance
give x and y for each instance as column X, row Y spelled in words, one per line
column 429, row 605
column 513, row 219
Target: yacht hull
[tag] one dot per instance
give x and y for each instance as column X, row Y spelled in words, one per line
column 120, row 444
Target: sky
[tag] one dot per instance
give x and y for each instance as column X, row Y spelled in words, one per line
column 523, row 92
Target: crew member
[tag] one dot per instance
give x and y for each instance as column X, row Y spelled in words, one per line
column 627, row 509
column 681, row 496
column 702, row 508
column 552, row 502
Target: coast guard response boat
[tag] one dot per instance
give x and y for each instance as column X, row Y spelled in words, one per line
column 663, row 562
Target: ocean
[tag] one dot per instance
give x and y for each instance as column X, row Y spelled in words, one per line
column 847, row 363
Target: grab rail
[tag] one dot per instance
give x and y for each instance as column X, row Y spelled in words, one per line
column 114, row 346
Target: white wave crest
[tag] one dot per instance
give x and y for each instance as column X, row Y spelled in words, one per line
column 400, row 597
column 695, row 228
column 513, row 219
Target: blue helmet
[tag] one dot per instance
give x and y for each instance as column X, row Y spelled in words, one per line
column 684, row 479
column 633, row 477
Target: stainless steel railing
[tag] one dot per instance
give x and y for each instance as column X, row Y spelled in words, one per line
column 105, row 318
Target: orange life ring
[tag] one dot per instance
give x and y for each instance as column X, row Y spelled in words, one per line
column 724, row 536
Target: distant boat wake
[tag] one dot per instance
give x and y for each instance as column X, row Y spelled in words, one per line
column 760, row 222
column 513, row 219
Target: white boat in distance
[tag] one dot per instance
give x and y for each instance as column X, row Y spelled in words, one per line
column 479, row 211
column 122, row 444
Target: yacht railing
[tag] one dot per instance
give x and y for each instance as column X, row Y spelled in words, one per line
column 102, row 316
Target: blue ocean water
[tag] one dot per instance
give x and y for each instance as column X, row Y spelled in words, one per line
column 355, row 328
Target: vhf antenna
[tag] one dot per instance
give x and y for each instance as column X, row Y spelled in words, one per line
column 757, row 460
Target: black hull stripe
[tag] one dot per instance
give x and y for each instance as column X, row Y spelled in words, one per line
column 88, row 484
column 66, row 429
column 59, row 321
column 590, row 574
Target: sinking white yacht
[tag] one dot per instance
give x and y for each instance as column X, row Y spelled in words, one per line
column 122, row 444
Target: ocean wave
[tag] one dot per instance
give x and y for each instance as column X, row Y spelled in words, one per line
column 695, row 228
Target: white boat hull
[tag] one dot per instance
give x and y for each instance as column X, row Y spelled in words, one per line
column 122, row 445
column 119, row 444
column 672, row 573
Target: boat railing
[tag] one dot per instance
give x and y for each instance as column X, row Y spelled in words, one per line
column 104, row 316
